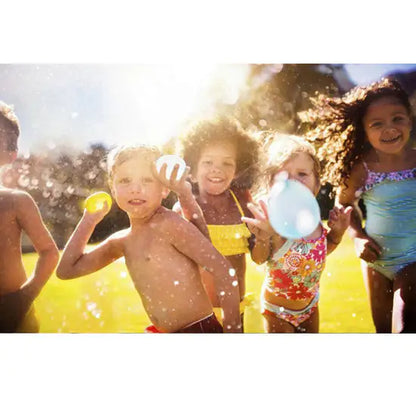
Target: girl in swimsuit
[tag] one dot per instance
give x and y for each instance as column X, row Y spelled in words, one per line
column 364, row 144
column 223, row 160
column 290, row 291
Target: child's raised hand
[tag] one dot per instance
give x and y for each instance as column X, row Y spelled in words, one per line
column 259, row 225
column 339, row 219
column 178, row 185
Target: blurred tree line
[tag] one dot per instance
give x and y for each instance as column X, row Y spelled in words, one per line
column 59, row 181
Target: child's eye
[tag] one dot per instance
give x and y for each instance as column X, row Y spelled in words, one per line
column 398, row 119
column 124, row 180
column 376, row 125
column 148, row 180
column 207, row 162
column 228, row 164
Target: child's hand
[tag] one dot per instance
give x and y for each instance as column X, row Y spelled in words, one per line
column 259, row 225
column 367, row 249
column 339, row 219
column 180, row 186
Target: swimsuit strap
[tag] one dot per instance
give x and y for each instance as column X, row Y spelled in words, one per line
column 237, row 203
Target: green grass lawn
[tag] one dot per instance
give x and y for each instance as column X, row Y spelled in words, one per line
column 106, row 301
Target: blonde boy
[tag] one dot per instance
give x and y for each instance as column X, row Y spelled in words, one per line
column 18, row 212
column 161, row 249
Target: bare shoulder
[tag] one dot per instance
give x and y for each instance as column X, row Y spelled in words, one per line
column 16, row 200
column 22, row 198
column 167, row 217
column 167, row 222
column 119, row 237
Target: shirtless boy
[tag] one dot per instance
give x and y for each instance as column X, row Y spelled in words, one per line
column 18, row 212
column 161, row 249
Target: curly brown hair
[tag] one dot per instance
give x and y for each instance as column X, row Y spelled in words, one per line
column 336, row 129
column 222, row 129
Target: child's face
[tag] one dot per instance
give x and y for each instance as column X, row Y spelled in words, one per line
column 300, row 167
column 387, row 125
column 7, row 155
column 135, row 189
column 216, row 168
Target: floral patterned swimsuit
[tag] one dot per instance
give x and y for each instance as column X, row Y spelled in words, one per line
column 294, row 272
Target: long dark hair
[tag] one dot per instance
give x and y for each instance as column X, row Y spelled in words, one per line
column 336, row 127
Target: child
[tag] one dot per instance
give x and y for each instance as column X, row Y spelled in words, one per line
column 161, row 249
column 223, row 161
column 19, row 213
column 290, row 291
column 364, row 139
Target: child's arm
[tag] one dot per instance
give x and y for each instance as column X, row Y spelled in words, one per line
column 365, row 247
column 338, row 222
column 187, row 205
column 186, row 238
column 14, row 306
column 75, row 262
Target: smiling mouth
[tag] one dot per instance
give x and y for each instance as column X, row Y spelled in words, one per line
column 391, row 140
column 215, row 180
column 137, row 202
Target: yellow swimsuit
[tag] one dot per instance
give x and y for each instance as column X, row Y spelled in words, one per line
column 230, row 239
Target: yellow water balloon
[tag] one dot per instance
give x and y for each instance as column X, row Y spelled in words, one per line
column 96, row 202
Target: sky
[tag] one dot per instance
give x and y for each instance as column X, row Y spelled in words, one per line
column 74, row 105
column 365, row 74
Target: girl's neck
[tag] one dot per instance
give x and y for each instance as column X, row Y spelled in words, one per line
column 212, row 199
column 392, row 162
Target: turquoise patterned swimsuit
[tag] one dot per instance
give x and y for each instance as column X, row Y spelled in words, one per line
column 390, row 201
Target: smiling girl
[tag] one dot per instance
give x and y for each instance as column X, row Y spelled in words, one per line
column 364, row 142
column 223, row 160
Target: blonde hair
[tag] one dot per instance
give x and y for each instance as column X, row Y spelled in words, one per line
column 122, row 154
column 278, row 149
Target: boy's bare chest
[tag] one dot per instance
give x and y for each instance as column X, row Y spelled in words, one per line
column 148, row 250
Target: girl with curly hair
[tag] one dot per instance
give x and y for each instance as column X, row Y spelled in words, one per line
column 290, row 292
column 223, row 162
column 364, row 143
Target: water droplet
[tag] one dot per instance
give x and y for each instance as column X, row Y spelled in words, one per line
column 231, row 272
column 222, row 293
column 235, row 283
column 123, row 275
column 176, row 283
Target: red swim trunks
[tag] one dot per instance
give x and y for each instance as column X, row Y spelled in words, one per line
column 207, row 325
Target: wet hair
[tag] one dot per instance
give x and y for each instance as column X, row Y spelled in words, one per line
column 121, row 154
column 10, row 120
column 220, row 130
column 278, row 149
column 336, row 126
